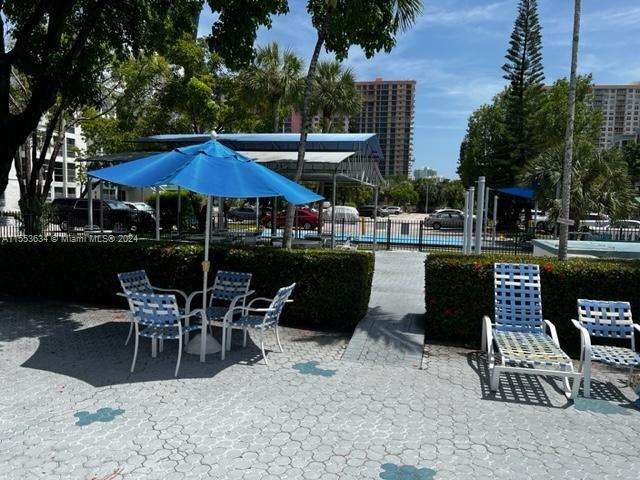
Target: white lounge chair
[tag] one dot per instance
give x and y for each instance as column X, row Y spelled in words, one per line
column 519, row 334
column 605, row 319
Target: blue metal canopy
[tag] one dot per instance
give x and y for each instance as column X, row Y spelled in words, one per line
column 209, row 168
column 522, row 192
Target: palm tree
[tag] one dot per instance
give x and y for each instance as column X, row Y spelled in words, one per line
column 568, row 151
column 334, row 93
column 276, row 78
column 600, row 181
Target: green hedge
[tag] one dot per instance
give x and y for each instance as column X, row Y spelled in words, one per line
column 332, row 291
column 459, row 291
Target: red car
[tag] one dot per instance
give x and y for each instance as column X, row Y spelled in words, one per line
column 305, row 219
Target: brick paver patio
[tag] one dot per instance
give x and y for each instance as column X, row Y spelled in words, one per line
column 70, row 409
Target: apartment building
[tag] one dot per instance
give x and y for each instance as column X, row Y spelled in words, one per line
column 620, row 107
column 388, row 110
column 65, row 175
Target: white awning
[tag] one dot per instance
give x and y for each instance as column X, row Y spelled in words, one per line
column 309, row 157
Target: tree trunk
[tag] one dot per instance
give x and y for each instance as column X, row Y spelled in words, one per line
column 568, row 152
column 275, row 115
column 306, row 123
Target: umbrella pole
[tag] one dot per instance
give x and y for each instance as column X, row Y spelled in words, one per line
column 157, row 213
column 205, row 275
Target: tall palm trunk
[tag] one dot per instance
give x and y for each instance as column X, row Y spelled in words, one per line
column 275, row 115
column 568, row 152
column 306, row 122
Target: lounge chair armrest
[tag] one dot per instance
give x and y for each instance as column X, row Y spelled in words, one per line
column 193, row 295
column 585, row 339
column 552, row 331
column 487, row 333
column 636, row 326
column 259, row 299
column 121, row 294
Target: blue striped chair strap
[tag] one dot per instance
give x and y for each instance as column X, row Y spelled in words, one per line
column 518, row 298
column 228, row 285
column 604, row 318
column 135, row 282
column 617, row 356
column 531, row 350
column 166, row 333
column 254, row 321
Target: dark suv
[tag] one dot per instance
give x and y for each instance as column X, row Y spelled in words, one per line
column 367, row 211
column 71, row 213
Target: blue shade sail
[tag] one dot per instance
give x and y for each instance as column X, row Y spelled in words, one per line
column 209, row 168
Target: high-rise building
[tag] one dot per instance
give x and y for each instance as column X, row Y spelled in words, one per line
column 425, row 172
column 388, row 111
column 620, row 107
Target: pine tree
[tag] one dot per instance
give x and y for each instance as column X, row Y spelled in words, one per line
column 524, row 72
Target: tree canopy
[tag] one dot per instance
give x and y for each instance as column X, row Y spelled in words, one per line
column 61, row 50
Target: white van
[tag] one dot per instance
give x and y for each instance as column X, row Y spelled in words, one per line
column 348, row 214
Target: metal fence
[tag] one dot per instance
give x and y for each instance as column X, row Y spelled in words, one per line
column 388, row 233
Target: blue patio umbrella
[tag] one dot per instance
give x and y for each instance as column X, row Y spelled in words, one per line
column 211, row 169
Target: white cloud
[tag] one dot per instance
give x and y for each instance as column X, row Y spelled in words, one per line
column 457, row 14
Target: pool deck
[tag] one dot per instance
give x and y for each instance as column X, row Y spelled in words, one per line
column 70, row 409
column 629, row 250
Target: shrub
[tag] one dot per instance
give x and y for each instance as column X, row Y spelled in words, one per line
column 459, row 291
column 332, row 291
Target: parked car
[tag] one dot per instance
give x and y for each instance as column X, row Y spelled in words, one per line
column 449, row 210
column 392, row 209
column 348, row 214
column 445, row 219
column 623, row 230
column 595, row 220
column 304, row 218
column 242, row 213
column 71, row 213
column 367, row 211
column 141, row 206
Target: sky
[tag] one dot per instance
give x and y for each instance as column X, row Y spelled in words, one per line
column 455, row 52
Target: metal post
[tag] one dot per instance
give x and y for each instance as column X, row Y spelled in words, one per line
column 495, row 216
column 389, row 234
column 220, row 221
column 101, row 190
column 420, row 235
column 321, row 193
column 375, row 216
column 333, row 213
column 90, row 203
column 179, row 210
column 485, row 221
column 479, row 215
column 157, row 213
column 469, row 219
column 535, row 218
column 465, row 225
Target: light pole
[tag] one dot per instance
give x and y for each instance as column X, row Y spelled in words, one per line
column 426, row 199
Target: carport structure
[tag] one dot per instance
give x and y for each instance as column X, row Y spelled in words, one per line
column 345, row 158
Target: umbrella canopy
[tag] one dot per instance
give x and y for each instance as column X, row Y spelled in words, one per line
column 209, row 168
column 522, row 192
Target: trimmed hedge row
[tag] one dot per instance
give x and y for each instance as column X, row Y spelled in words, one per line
column 332, row 291
column 459, row 291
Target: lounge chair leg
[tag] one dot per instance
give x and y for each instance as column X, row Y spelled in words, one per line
column 161, row 345
column 495, row 379
column 229, row 333
column 244, row 338
column 223, row 343
column 135, row 354
column 278, row 339
column 186, row 333
column 586, row 392
column 262, row 347
column 154, row 347
column 179, row 355
column 130, row 332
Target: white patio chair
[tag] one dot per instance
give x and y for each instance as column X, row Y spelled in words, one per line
column 261, row 319
column 605, row 319
column 138, row 282
column 228, row 287
column 519, row 333
column 161, row 320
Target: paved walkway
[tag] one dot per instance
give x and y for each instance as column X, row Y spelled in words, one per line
column 70, row 409
column 392, row 332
